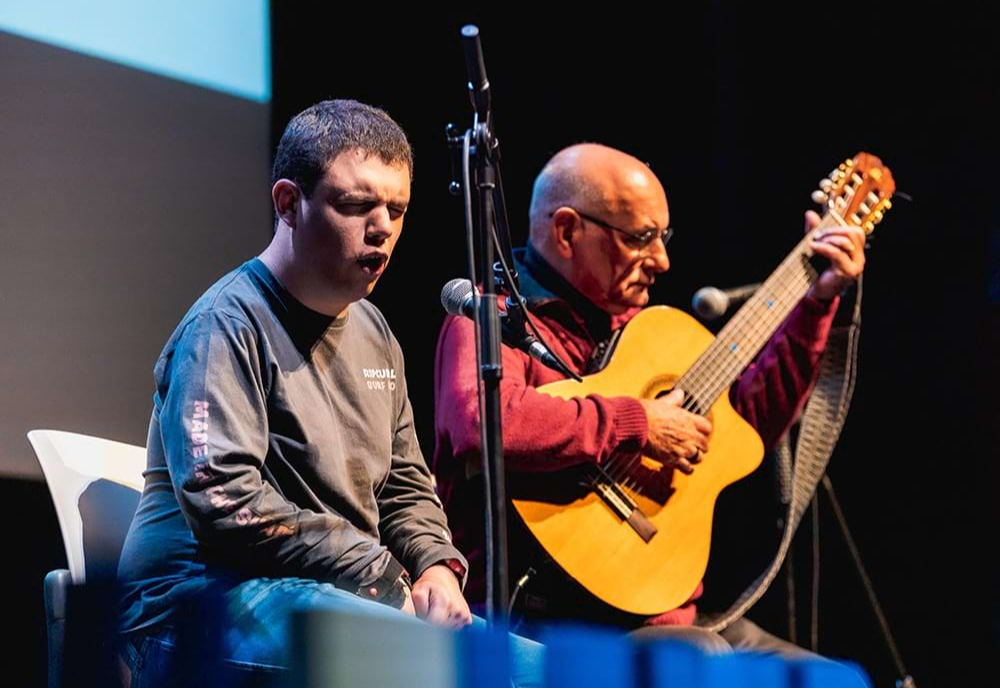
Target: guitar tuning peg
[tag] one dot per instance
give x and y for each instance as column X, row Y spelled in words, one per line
column 864, row 209
column 825, row 185
column 819, row 197
column 869, row 227
column 877, row 216
column 849, row 162
column 887, row 205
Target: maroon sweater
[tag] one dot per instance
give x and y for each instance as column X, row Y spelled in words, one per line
column 543, row 433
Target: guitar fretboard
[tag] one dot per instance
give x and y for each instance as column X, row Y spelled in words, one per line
column 753, row 325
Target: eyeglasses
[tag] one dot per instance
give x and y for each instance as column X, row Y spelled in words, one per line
column 635, row 240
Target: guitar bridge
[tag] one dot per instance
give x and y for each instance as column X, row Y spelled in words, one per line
column 641, row 524
column 623, row 506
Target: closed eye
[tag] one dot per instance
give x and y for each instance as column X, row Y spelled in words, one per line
column 355, row 208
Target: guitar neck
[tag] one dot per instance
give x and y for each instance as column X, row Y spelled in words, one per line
column 752, row 326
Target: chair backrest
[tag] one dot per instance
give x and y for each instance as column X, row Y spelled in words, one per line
column 95, row 485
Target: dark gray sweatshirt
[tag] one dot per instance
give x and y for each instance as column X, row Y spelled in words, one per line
column 281, row 445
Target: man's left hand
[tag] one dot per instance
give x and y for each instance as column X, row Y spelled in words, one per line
column 845, row 247
column 439, row 600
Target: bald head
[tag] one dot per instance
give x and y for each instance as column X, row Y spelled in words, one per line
column 588, row 200
column 593, row 179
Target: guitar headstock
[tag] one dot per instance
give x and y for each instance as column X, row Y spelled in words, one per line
column 857, row 192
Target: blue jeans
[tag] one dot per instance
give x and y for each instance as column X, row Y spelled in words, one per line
column 245, row 637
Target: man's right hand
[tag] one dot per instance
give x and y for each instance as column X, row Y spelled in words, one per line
column 676, row 437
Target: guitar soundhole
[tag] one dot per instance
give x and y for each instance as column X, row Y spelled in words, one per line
column 658, row 387
column 661, row 387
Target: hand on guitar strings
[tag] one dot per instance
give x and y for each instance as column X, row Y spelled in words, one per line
column 676, row 437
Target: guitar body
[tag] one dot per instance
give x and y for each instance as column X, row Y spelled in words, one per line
column 594, row 545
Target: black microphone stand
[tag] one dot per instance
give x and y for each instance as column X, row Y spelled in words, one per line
column 481, row 145
column 491, row 235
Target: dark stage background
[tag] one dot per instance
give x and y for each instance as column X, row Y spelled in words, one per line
column 740, row 111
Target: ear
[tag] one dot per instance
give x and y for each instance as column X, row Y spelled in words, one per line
column 285, row 195
column 563, row 230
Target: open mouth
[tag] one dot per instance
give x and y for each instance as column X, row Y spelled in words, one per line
column 373, row 264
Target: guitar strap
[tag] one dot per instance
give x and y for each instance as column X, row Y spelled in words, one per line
column 819, row 429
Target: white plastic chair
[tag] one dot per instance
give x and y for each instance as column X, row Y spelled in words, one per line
column 95, row 486
column 73, row 462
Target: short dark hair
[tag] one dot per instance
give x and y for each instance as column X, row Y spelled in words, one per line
column 323, row 131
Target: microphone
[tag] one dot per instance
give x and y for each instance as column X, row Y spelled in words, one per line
column 479, row 85
column 458, row 299
column 712, row 303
